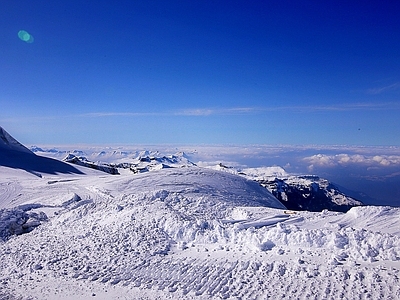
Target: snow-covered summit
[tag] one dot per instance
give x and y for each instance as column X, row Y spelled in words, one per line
column 204, row 189
column 7, row 142
column 149, row 161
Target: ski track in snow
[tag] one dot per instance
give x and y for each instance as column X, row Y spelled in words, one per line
column 191, row 233
column 8, row 192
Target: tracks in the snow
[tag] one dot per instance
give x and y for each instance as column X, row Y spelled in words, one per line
column 8, row 192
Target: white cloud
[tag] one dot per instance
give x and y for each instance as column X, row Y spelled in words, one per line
column 249, row 110
column 118, row 114
column 346, row 159
column 383, row 89
column 196, row 112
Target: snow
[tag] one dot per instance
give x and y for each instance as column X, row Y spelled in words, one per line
column 184, row 232
column 304, row 192
column 7, row 142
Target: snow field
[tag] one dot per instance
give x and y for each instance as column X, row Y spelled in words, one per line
column 190, row 233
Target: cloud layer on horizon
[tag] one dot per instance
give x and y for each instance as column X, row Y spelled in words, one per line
column 370, row 161
column 209, row 111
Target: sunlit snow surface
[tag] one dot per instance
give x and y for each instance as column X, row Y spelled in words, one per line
column 183, row 233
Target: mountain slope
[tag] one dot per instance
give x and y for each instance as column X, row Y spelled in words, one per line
column 309, row 193
column 7, row 142
column 14, row 155
column 298, row 192
column 190, row 233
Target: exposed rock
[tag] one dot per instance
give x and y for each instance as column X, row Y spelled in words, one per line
column 82, row 161
column 310, row 193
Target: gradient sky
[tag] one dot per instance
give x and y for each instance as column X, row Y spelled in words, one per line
column 201, row 72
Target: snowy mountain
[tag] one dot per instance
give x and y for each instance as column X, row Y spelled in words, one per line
column 14, row 155
column 147, row 161
column 144, row 162
column 306, row 192
column 185, row 232
column 83, row 161
column 310, row 193
column 104, row 154
column 298, row 192
column 8, row 143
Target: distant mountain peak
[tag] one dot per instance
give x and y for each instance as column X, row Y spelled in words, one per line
column 309, row 192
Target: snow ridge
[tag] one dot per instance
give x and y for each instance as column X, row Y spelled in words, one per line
column 7, row 142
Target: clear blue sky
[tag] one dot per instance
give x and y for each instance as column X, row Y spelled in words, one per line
column 237, row 72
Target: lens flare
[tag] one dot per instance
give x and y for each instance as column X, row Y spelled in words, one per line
column 25, row 36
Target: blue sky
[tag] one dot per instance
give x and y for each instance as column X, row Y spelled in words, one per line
column 201, row 72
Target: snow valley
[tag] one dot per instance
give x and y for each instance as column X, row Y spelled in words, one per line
column 151, row 225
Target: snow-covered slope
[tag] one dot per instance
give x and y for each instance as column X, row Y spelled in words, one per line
column 297, row 192
column 188, row 233
column 310, row 193
column 7, row 142
column 184, row 232
column 16, row 156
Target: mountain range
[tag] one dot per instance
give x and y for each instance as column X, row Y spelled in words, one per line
column 296, row 192
column 165, row 228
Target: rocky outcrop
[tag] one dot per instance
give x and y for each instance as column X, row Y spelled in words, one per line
column 310, row 193
column 82, row 161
